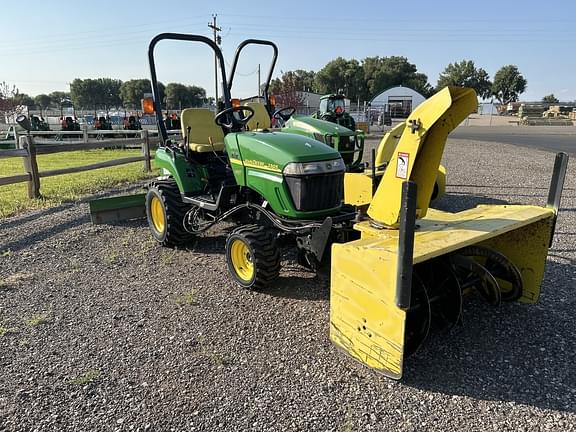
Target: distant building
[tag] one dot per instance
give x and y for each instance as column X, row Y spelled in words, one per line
column 398, row 101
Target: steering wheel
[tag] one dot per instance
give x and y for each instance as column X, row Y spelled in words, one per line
column 227, row 119
column 284, row 114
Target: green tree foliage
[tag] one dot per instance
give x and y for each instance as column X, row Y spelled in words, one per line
column 550, row 99
column 381, row 73
column 43, row 101
column 287, row 87
column 58, row 97
column 508, row 84
column 465, row 74
column 22, row 99
column 96, row 93
column 287, row 90
column 341, row 76
column 181, row 96
column 132, row 92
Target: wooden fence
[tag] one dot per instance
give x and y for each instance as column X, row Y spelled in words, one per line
column 28, row 150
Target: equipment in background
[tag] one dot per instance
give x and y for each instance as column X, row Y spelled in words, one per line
column 69, row 124
column 38, row 123
column 333, row 109
column 347, row 141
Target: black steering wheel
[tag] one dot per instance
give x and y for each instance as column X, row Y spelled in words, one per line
column 284, row 114
column 227, row 119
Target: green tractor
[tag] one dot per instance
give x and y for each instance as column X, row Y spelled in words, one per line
column 280, row 188
column 333, row 109
column 347, row 141
column 38, row 123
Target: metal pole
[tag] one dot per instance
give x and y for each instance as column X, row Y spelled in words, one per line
column 406, row 245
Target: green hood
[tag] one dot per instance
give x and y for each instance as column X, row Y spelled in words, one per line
column 277, row 149
column 314, row 125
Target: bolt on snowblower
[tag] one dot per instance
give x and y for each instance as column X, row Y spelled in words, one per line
column 412, row 268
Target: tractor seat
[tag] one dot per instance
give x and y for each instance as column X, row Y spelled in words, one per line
column 260, row 119
column 205, row 135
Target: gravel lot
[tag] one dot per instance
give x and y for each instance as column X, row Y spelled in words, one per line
column 105, row 330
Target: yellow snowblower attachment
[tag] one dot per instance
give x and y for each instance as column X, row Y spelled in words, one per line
column 412, row 266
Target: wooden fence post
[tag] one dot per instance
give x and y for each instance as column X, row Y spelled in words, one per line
column 16, row 138
column 146, row 150
column 31, row 166
column 85, row 133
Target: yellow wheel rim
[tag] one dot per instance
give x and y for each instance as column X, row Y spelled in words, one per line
column 242, row 260
column 157, row 214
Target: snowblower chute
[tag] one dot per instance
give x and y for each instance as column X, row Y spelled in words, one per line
column 410, row 270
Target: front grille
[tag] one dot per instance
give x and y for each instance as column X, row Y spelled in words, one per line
column 346, row 146
column 316, row 192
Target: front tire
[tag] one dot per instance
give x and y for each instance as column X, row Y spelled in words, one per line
column 165, row 213
column 252, row 256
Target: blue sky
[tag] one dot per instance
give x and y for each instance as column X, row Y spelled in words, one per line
column 45, row 45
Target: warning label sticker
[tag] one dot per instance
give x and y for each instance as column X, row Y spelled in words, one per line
column 402, row 165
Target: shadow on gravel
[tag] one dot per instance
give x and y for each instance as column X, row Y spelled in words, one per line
column 500, row 187
column 40, row 236
column 299, row 288
column 19, row 220
column 516, row 353
column 456, row 202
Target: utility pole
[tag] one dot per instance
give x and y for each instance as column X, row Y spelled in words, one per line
column 217, row 41
column 259, row 84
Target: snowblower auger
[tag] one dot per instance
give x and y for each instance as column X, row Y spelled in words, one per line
column 408, row 273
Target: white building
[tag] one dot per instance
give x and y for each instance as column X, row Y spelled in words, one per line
column 398, row 101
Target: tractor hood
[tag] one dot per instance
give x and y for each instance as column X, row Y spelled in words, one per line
column 314, row 125
column 275, row 150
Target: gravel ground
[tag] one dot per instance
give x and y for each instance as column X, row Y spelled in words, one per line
column 104, row 330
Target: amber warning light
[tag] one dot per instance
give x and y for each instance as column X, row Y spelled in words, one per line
column 148, row 105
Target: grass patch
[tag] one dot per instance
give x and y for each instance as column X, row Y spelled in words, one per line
column 217, row 359
column 187, row 298
column 68, row 187
column 86, row 378
column 7, row 330
column 13, row 280
column 39, row 319
column 113, row 257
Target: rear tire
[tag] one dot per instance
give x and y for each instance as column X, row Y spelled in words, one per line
column 252, row 256
column 165, row 213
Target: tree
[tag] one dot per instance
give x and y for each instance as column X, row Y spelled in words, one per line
column 94, row 93
column 288, row 91
column 465, row 74
column 508, row 84
column 550, row 99
column 132, row 92
column 43, row 101
column 58, row 97
column 23, row 100
column 180, row 96
column 8, row 103
column 110, row 92
column 289, row 86
column 381, row 73
column 341, row 76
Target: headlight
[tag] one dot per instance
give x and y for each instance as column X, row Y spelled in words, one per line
column 324, row 167
column 319, row 137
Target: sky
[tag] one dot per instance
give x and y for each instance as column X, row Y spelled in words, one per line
column 46, row 45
